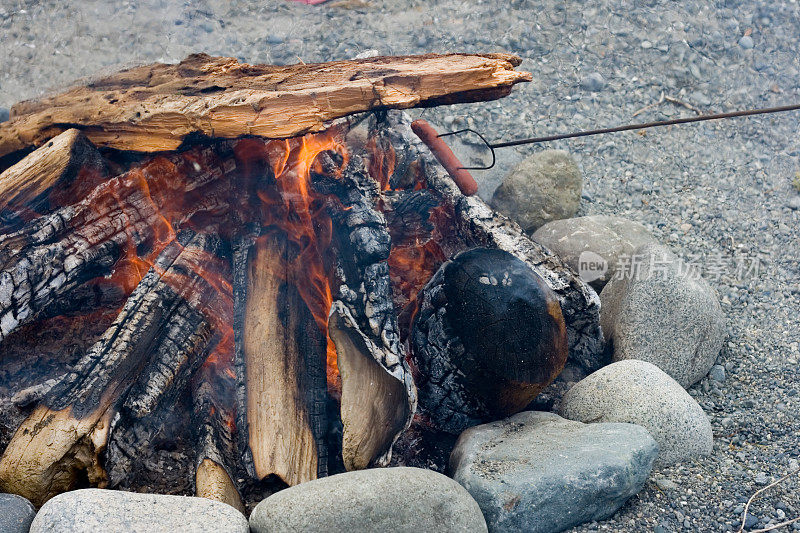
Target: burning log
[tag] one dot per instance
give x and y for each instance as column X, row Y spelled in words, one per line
column 284, row 365
column 155, row 107
column 488, row 337
column 67, row 166
column 63, row 438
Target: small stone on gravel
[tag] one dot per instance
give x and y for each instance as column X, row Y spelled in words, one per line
column 665, row 484
column 746, row 42
column 4, row 114
column 538, row 472
column 16, row 514
column 377, row 499
column 794, row 203
column 639, row 392
column 130, row 512
column 717, row 373
column 593, row 82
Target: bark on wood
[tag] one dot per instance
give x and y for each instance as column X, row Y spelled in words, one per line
column 45, row 178
column 154, row 107
column 284, row 362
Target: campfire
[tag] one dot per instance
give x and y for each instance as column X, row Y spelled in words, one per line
column 224, row 279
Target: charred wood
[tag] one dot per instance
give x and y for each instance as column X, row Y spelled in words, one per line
column 488, row 337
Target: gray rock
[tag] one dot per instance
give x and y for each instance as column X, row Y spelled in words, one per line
column 793, row 203
column 717, row 373
column 379, row 499
column 543, row 187
column 537, row 472
column 130, row 512
column 16, row 514
column 4, row 114
column 593, row 82
column 660, row 311
column 575, row 240
column 639, row 392
column 746, row 42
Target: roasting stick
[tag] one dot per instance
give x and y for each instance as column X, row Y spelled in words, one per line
column 467, row 183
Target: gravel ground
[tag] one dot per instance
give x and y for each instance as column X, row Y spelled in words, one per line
column 718, row 193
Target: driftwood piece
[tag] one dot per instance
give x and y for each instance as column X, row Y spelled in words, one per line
column 488, row 337
column 363, row 326
column 154, row 107
column 44, row 177
column 51, row 256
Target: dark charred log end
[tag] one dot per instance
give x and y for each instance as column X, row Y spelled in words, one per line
column 488, row 338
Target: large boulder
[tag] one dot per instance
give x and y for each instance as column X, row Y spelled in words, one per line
column 543, row 187
column 537, row 472
column 130, row 512
column 16, row 514
column 380, row 499
column 657, row 309
column 593, row 245
column 639, row 392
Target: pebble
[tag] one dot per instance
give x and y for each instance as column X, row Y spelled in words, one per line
column 639, row 392
column 746, row 42
column 794, row 203
column 761, row 478
column 666, row 484
column 16, row 514
column 717, row 373
column 537, row 472
column 378, row 499
column 130, row 512
column 593, row 82
column 4, row 114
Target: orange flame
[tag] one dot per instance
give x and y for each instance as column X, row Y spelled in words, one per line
column 298, row 213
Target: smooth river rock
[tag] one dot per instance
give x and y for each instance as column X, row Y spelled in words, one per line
column 16, row 514
column 593, row 245
column 397, row 499
column 537, row 472
column 640, row 393
column 660, row 311
column 91, row 510
column 543, row 187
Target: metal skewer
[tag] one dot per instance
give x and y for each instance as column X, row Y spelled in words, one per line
column 628, row 127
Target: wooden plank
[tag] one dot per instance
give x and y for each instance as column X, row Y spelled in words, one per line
column 154, row 107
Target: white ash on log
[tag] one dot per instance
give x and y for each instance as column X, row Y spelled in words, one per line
column 460, row 222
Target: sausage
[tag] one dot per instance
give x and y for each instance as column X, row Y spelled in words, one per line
column 466, row 183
